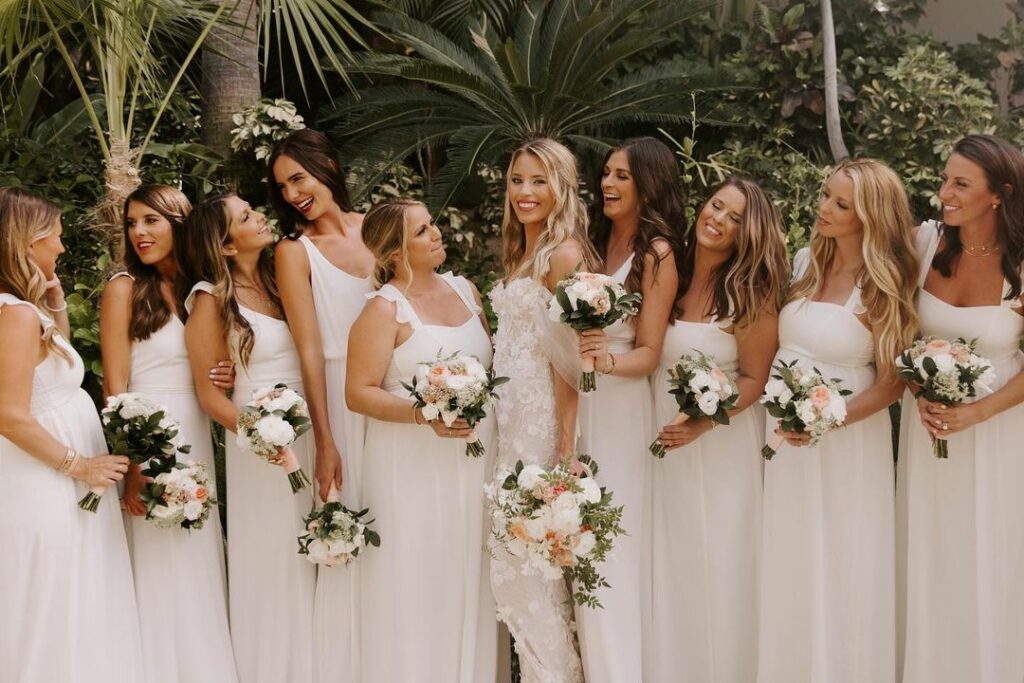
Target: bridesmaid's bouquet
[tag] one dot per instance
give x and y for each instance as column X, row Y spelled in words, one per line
column 702, row 390
column 179, row 495
column 946, row 372
column 559, row 521
column 269, row 424
column 803, row 401
column 137, row 428
column 588, row 301
column 335, row 535
column 452, row 387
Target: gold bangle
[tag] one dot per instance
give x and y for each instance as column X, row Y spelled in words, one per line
column 69, row 455
column 415, row 417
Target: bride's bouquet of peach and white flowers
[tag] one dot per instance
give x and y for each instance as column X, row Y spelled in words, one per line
column 336, row 535
column 558, row 520
column 450, row 387
column 946, row 372
column 803, row 401
column 702, row 390
column 138, row 428
column 179, row 495
column 588, row 301
column 270, row 423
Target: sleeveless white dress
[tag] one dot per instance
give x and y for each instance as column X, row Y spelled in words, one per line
column 68, row 608
column 962, row 518
column 537, row 611
column 179, row 574
column 427, row 610
column 828, row 604
column 615, row 425
column 706, row 531
column 338, row 297
column 270, row 586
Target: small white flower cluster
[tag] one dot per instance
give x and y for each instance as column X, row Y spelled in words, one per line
column 182, row 496
column 334, row 536
column 270, row 421
column 803, row 401
column 590, row 288
column 541, row 519
column 258, row 127
column 130, row 405
column 947, row 372
column 448, row 386
column 708, row 385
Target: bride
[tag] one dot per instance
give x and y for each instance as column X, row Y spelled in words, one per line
column 544, row 234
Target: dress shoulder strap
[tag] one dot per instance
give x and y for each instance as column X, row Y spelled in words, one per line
column 926, row 242
column 801, row 262
column 404, row 312
column 123, row 273
column 201, row 286
column 463, row 289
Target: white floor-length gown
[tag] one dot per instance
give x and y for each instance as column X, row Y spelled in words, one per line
column 962, row 518
column 179, row 574
column 68, row 607
column 338, row 297
column 706, row 531
column 270, row 586
column 537, row 611
column 427, row 609
column 828, row 604
column 615, row 429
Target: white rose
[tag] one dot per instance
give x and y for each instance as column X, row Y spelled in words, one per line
column 530, row 477
column 565, row 514
column 708, row 403
column 805, row 411
column 286, row 400
column 774, row 388
column 319, row 551
column 700, row 380
column 274, row 430
column 591, row 491
column 193, row 510
column 586, row 543
column 537, row 527
column 944, row 362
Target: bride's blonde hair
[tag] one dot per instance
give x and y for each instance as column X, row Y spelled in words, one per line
column 567, row 220
column 26, row 218
column 888, row 279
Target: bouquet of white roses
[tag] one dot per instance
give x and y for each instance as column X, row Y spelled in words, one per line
column 334, row 534
column 452, row 387
column 269, row 424
column 179, row 495
column 803, row 401
column 702, row 390
column 946, row 372
column 137, row 428
column 588, row 301
column 559, row 522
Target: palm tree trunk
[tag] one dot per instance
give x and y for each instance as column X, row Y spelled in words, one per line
column 231, row 72
column 832, row 121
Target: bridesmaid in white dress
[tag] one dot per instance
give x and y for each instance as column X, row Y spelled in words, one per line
column 544, row 235
column 69, row 610
column 233, row 307
column 323, row 273
column 828, row 604
column 961, row 527
column 706, row 492
column 179, row 574
column 424, row 588
column 638, row 220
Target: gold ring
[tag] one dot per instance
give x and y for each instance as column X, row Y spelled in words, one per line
column 945, row 426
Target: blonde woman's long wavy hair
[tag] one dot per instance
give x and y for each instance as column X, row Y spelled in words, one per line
column 384, row 234
column 888, row 279
column 26, row 218
column 567, row 220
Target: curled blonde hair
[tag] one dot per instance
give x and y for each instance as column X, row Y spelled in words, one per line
column 26, row 218
column 567, row 220
column 888, row 279
column 384, row 234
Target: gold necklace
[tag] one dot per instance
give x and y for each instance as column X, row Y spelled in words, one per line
column 981, row 249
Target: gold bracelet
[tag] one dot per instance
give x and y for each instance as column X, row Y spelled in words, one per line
column 69, row 455
column 415, row 418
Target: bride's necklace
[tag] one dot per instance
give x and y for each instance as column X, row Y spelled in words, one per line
column 981, row 249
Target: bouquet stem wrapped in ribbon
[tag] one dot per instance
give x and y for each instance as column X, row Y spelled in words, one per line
column 946, row 372
column 455, row 386
column 269, row 424
column 702, row 390
column 137, row 428
column 589, row 301
column 803, row 401
column 558, row 520
column 334, row 534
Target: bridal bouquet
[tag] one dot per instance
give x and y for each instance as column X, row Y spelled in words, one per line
column 803, row 401
column 269, row 424
column 452, row 387
column 138, row 428
column 335, row 535
column 702, row 390
column 588, row 301
column 179, row 495
column 946, row 372
column 560, row 522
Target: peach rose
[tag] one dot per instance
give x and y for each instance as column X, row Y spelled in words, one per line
column 936, row 347
column 201, row 493
column 820, row 397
